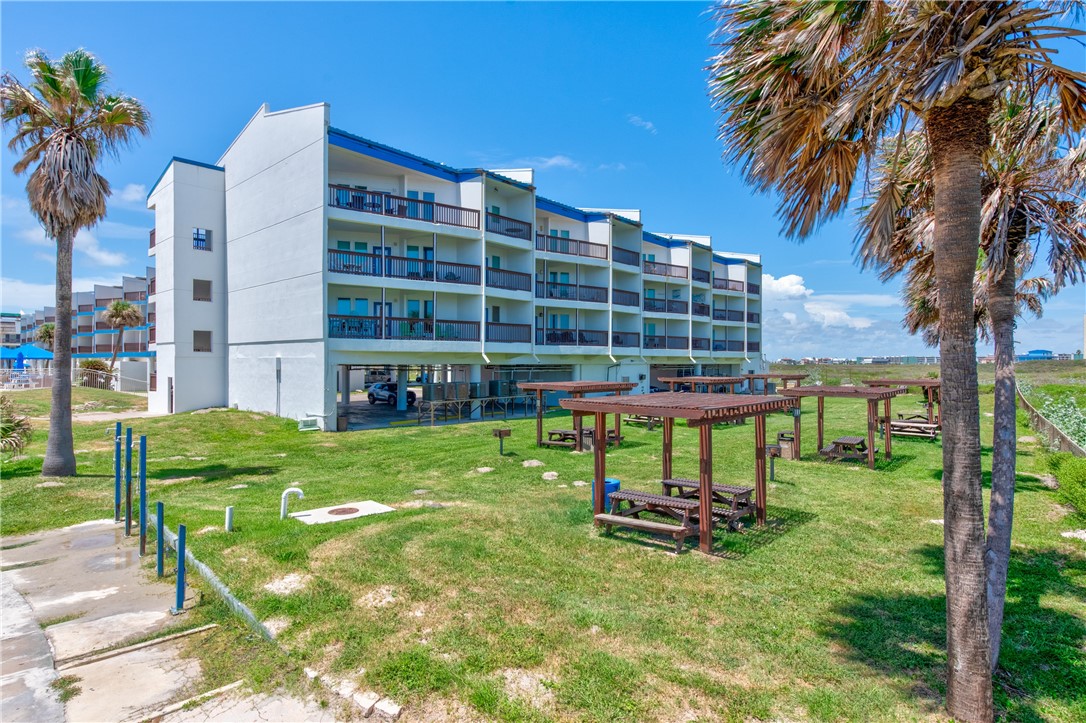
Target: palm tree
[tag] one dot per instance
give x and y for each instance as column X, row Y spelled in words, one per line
column 808, row 92
column 66, row 122
column 121, row 314
column 1033, row 189
column 45, row 334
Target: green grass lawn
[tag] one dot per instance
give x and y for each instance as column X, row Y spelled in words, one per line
column 834, row 611
column 36, row 402
column 1033, row 372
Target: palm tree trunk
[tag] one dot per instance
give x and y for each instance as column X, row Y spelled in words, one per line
column 1001, row 310
column 958, row 136
column 59, row 448
column 116, row 348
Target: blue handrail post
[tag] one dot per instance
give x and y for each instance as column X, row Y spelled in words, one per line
column 117, row 473
column 143, row 495
column 160, row 534
column 128, row 483
column 179, row 607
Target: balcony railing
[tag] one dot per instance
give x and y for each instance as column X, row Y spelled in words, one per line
column 621, row 297
column 678, row 342
column 754, row 288
column 625, row 338
column 151, row 335
column 505, row 279
column 625, row 256
column 570, row 337
column 508, row 226
column 102, row 326
column 85, row 307
column 662, row 269
column 754, row 317
column 151, row 287
column 700, row 309
column 573, row 247
column 698, row 343
column 375, row 327
column 728, row 284
column 134, row 346
column 656, row 305
column 152, row 383
column 386, row 204
column 727, row 315
column 135, row 296
column 508, row 333
column 84, row 329
column 655, row 342
column 402, row 267
column 151, row 318
column 701, row 275
column 83, row 349
column 570, row 292
column 152, row 236
column 754, row 346
column 726, row 345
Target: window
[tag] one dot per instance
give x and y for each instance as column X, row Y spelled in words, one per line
column 343, row 306
column 361, row 306
column 496, row 314
column 343, row 245
column 428, row 309
column 414, row 308
column 201, row 290
column 648, row 257
column 496, row 210
column 360, row 246
column 495, row 262
column 201, row 239
column 201, row 341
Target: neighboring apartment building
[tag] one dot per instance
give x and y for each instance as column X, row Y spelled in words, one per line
column 94, row 338
column 306, row 250
column 10, row 332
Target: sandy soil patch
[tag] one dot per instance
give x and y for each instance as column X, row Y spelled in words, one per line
column 287, row 584
column 550, row 476
column 49, row 483
column 532, row 463
column 528, row 686
column 1075, row 535
column 277, row 625
column 378, row 598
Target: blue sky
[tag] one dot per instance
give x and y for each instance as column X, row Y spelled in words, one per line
column 607, row 101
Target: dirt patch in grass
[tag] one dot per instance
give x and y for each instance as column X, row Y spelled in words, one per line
column 288, row 584
column 529, row 686
column 378, row 598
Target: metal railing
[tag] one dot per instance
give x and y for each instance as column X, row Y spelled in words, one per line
column 661, row 269
column 726, row 345
column 571, row 292
column 700, row 309
column 678, row 342
column 343, row 326
column 754, row 317
column 387, row 204
column 728, row 284
column 754, row 346
column 621, row 297
column 754, row 288
column 699, row 343
column 625, row 338
column 500, row 333
column 402, row 267
column 701, row 275
column 675, row 306
column 625, row 256
column 570, row 246
column 506, row 226
column 570, row 337
column 152, row 237
column 727, row 315
column 506, row 279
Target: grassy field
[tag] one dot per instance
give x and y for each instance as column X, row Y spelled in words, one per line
column 1035, row 372
column 835, row 611
column 36, row 402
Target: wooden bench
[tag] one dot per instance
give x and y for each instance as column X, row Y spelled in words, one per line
column 914, row 428
column 678, row 508
column 737, row 498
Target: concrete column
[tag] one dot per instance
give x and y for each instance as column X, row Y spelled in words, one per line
column 345, row 383
column 475, row 376
column 697, row 370
column 401, row 389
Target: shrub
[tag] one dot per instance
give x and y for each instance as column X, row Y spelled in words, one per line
column 94, row 373
column 15, row 430
column 1071, row 474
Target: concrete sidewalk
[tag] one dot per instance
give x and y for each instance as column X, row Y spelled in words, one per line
column 73, row 599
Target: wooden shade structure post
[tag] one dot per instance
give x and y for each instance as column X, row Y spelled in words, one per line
column 765, row 378
column 600, row 456
column 760, row 492
column 797, row 411
column 669, row 437
column 886, row 426
column 578, row 428
column 705, row 487
column 539, row 418
column 577, row 390
column 872, row 395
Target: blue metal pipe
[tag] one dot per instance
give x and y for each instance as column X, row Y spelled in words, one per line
column 179, row 607
column 117, row 474
column 128, row 483
column 160, row 534
column 143, row 495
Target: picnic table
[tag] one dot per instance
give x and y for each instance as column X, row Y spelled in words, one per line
column 914, row 425
column 846, row 448
column 568, row 437
column 577, row 390
column 648, row 421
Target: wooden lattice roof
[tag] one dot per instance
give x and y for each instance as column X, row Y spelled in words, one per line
column 585, row 387
column 694, row 407
column 926, row 383
column 818, row 390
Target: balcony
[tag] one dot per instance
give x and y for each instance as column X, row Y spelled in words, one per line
column 621, row 297
column 401, row 267
column 134, row 346
column 662, row 269
column 102, row 326
column 570, row 292
column 725, row 345
column 513, row 280
column 625, row 339
column 508, row 333
column 570, row 337
column 572, row 247
column 701, row 309
column 135, row 296
column 727, row 315
column 728, row 284
column 698, row 343
column 701, row 275
column 152, row 235
column 152, row 383
column 511, row 227
column 666, row 306
column 754, row 317
column 83, row 349
column 151, row 288
column 754, row 288
column 85, row 307
column 151, row 335
column 625, row 256
column 401, row 329
column 386, row 204
column 84, row 329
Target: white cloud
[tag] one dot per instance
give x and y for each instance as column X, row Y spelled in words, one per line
column 87, row 244
column 880, row 300
column 790, row 286
column 611, row 167
column 544, row 163
column 115, row 229
column 25, row 227
column 636, row 120
column 18, row 295
column 790, row 317
column 132, row 193
column 828, row 313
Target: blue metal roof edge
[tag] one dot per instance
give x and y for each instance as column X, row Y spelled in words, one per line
column 562, row 209
column 661, row 241
column 177, row 159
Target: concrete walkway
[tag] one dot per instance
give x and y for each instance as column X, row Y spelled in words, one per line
column 73, row 598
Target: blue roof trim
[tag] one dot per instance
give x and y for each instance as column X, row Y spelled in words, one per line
column 107, row 354
column 177, row 159
column 661, row 241
column 630, row 221
column 380, row 151
column 561, row 209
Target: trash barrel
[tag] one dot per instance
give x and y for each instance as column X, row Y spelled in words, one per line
column 610, row 484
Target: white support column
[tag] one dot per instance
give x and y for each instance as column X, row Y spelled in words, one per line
column 345, row 383
column 401, row 389
column 475, row 376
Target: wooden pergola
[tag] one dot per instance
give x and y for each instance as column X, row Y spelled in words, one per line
column 765, row 379
column 576, row 390
column 707, row 382
column 701, row 411
column 930, row 387
column 873, row 395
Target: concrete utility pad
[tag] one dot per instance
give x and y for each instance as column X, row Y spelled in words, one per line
column 155, row 675
column 345, row 511
column 26, row 663
column 240, row 708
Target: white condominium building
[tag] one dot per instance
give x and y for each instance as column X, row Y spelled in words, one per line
column 306, row 251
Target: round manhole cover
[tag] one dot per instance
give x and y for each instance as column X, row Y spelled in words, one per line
column 343, row 511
